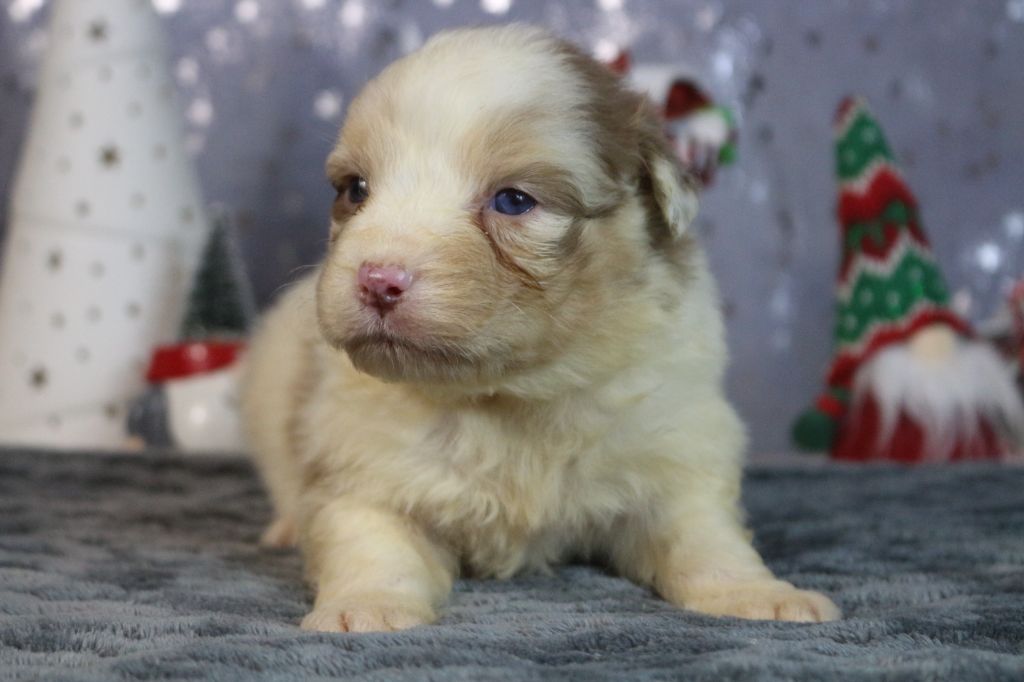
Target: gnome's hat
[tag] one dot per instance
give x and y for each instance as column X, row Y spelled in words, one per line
column 889, row 284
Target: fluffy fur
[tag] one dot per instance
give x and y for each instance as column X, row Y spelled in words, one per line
column 549, row 387
column 945, row 384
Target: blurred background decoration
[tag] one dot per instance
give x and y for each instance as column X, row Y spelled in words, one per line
column 910, row 380
column 192, row 401
column 106, row 224
column 263, row 87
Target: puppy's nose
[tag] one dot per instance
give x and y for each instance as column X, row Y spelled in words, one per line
column 382, row 286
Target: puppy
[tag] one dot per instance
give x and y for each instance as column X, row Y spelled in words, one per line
column 512, row 354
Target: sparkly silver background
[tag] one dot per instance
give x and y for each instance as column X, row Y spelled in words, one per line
column 264, row 84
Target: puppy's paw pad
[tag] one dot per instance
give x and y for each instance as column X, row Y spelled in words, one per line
column 281, row 534
column 768, row 600
column 369, row 614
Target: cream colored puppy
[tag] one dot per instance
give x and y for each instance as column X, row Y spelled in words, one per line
column 512, row 354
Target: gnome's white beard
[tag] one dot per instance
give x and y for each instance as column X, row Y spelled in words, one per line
column 947, row 399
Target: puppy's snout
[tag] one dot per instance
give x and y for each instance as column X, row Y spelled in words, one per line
column 381, row 286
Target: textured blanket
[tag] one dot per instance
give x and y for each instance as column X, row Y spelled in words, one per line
column 118, row 568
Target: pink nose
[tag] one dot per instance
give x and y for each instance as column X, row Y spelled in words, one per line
column 381, row 286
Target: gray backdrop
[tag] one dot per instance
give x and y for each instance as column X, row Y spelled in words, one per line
column 264, row 84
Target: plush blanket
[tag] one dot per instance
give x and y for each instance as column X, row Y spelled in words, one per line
column 128, row 568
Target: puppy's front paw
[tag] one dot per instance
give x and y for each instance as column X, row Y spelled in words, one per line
column 762, row 600
column 377, row 612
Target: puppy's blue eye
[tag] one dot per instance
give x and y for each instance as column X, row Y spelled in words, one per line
column 512, row 201
column 358, row 190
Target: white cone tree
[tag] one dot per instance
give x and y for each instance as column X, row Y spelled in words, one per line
column 106, row 225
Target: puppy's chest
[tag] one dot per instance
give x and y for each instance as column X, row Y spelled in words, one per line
column 508, row 494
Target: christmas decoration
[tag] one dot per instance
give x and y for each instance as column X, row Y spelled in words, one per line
column 106, row 225
column 192, row 402
column 221, row 303
column 703, row 134
column 908, row 381
column 1005, row 331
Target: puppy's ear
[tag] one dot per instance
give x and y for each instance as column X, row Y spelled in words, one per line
column 673, row 190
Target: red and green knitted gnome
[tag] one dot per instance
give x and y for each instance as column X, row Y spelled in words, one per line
column 702, row 133
column 908, row 381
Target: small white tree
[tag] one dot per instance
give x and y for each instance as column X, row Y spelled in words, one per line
column 106, row 225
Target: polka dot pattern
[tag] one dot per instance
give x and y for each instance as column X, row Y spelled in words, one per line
column 97, row 280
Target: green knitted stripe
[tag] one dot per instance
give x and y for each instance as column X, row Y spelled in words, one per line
column 896, row 213
column 862, row 145
column 888, row 298
column 839, row 393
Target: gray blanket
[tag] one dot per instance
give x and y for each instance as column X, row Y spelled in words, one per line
column 140, row 568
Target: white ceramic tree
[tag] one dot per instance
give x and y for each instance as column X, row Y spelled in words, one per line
column 106, row 225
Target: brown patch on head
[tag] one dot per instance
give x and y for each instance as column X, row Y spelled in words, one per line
column 569, row 245
column 615, row 112
column 360, row 149
column 552, row 185
column 661, row 234
column 633, row 147
column 510, row 151
column 436, row 137
column 342, row 172
column 658, row 230
column 341, row 209
column 507, row 260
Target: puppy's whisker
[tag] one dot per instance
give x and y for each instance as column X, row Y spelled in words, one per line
column 289, row 278
column 300, row 268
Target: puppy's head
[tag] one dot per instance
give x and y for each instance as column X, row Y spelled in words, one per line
column 498, row 194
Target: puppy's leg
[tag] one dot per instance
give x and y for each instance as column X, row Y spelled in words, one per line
column 373, row 570
column 702, row 560
column 692, row 546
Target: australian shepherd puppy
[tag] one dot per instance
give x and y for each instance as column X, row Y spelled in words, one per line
column 511, row 355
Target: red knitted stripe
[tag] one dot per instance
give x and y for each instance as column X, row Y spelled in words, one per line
column 845, row 364
column 869, row 248
column 886, row 185
column 830, row 405
column 843, row 111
